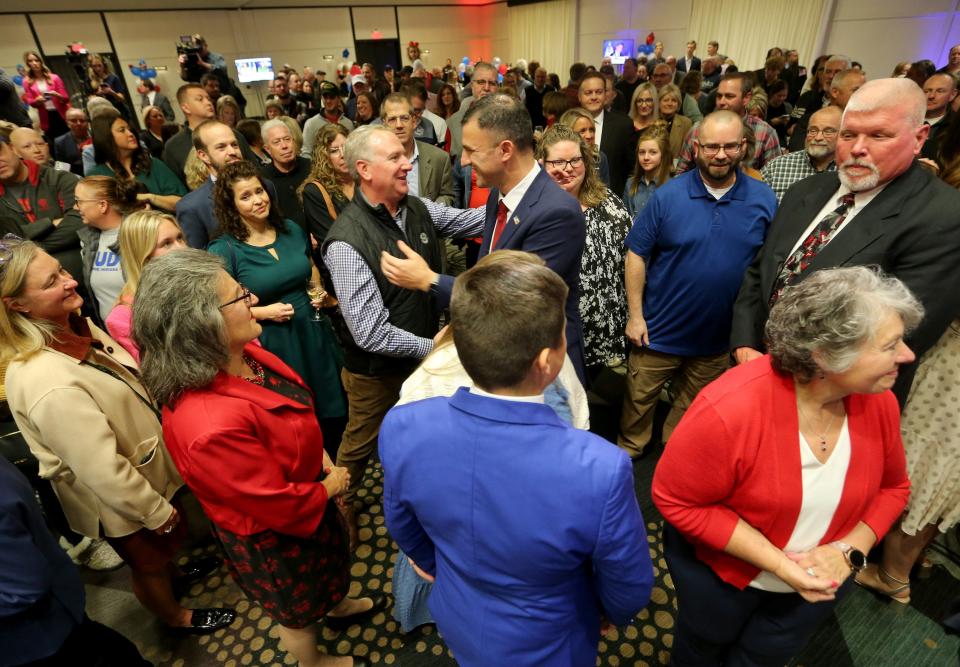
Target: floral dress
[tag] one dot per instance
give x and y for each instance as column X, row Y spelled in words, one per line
column 603, row 298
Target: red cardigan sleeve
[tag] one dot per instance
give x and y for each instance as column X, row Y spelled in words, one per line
column 894, row 483
column 696, row 473
column 230, row 465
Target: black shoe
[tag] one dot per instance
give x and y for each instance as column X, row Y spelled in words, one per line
column 344, row 622
column 194, row 570
column 205, row 621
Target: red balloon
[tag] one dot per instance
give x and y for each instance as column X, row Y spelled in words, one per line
column 502, row 69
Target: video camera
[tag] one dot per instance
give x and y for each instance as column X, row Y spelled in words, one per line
column 190, row 49
column 77, row 58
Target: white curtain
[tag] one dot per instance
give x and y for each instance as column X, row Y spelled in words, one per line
column 545, row 32
column 745, row 29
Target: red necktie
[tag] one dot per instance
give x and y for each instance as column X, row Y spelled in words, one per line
column 501, row 223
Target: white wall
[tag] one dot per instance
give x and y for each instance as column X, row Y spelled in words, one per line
column 481, row 33
column 881, row 33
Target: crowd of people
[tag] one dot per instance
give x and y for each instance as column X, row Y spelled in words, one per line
column 390, row 263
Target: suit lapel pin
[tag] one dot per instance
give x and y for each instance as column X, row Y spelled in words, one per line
column 423, row 238
column 516, row 220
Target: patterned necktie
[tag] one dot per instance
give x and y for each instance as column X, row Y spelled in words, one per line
column 501, row 223
column 798, row 262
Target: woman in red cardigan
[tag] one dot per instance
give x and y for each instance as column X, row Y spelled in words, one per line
column 785, row 471
column 241, row 429
column 45, row 91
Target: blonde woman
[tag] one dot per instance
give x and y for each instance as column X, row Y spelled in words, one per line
column 228, row 111
column 144, row 235
column 580, row 121
column 669, row 103
column 94, row 429
column 643, row 106
column 329, row 187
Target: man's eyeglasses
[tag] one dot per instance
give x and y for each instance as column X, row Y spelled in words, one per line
column 712, row 149
column 563, row 164
column 827, row 132
column 397, row 120
column 246, row 297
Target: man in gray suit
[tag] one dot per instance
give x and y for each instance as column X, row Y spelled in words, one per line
column 432, row 175
column 483, row 83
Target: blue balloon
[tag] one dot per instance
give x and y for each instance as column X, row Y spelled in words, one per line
column 18, row 80
column 346, row 53
column 465, row 60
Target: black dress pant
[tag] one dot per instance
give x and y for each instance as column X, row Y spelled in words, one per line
column 719, row 624
column 93, row 644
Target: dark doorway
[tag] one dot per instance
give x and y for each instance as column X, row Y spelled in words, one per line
column 73, row 71
column 378, row 52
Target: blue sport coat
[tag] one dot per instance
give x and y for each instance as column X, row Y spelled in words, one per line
column 41, row 595
column 549, row 223
column 531, row 527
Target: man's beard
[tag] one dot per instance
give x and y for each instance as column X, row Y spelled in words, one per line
column 716, row 173
column 859, row 183
column 819, row 150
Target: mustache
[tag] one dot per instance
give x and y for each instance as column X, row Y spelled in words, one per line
column 853, row 162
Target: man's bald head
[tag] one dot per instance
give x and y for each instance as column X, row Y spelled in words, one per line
column 881, row 94
column 822, row 132
column 29, row 145
column 717, row 120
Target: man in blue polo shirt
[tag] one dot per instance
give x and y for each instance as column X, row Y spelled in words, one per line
column 687, row 253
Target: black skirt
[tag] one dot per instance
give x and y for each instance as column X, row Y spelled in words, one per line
column 296, row 580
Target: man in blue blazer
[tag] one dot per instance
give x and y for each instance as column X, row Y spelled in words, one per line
column 526, row 209
column 529, row 527
column 41, row 594
column 216, row 145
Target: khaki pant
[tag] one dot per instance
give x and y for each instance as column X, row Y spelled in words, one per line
column 647, row 373
column 369, row 398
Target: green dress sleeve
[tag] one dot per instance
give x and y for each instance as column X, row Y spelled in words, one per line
column 162, row 181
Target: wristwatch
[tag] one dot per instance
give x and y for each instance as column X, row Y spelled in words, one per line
column 855, row 558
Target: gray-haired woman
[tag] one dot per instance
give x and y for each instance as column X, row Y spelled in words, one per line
column 807, row 471
column 241, row 429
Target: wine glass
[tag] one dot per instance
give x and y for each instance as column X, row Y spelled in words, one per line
column 316, row 292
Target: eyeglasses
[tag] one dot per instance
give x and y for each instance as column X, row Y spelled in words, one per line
column 418, row 112
column 641, row 101
column 573, row 162
column 246, row 297
column 827, row 132
column 712, row 149
column 397, row 120
column 78, row 201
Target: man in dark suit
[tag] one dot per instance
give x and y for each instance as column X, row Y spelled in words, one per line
column 689, row 63
column 614, row 130
column 216, row 146
column 432, row 175
column 526, row 210
column 67, row 147
column 153, row 97
column 941, row 91
column 575, row 548
column 41, row 594
column 902, row 219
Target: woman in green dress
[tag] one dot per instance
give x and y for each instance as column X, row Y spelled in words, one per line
column 271, row 257
column 118, row 154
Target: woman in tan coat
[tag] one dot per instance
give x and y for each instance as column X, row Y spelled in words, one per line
column 76, row 398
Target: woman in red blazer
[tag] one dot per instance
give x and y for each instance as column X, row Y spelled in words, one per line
column 45, row 91
column 786, row 471
column 241, row 429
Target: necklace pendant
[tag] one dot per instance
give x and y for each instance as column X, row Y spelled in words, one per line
column 823, row 444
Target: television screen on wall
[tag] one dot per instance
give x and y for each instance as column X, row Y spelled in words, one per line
column 617, row 50
column 254, row 69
